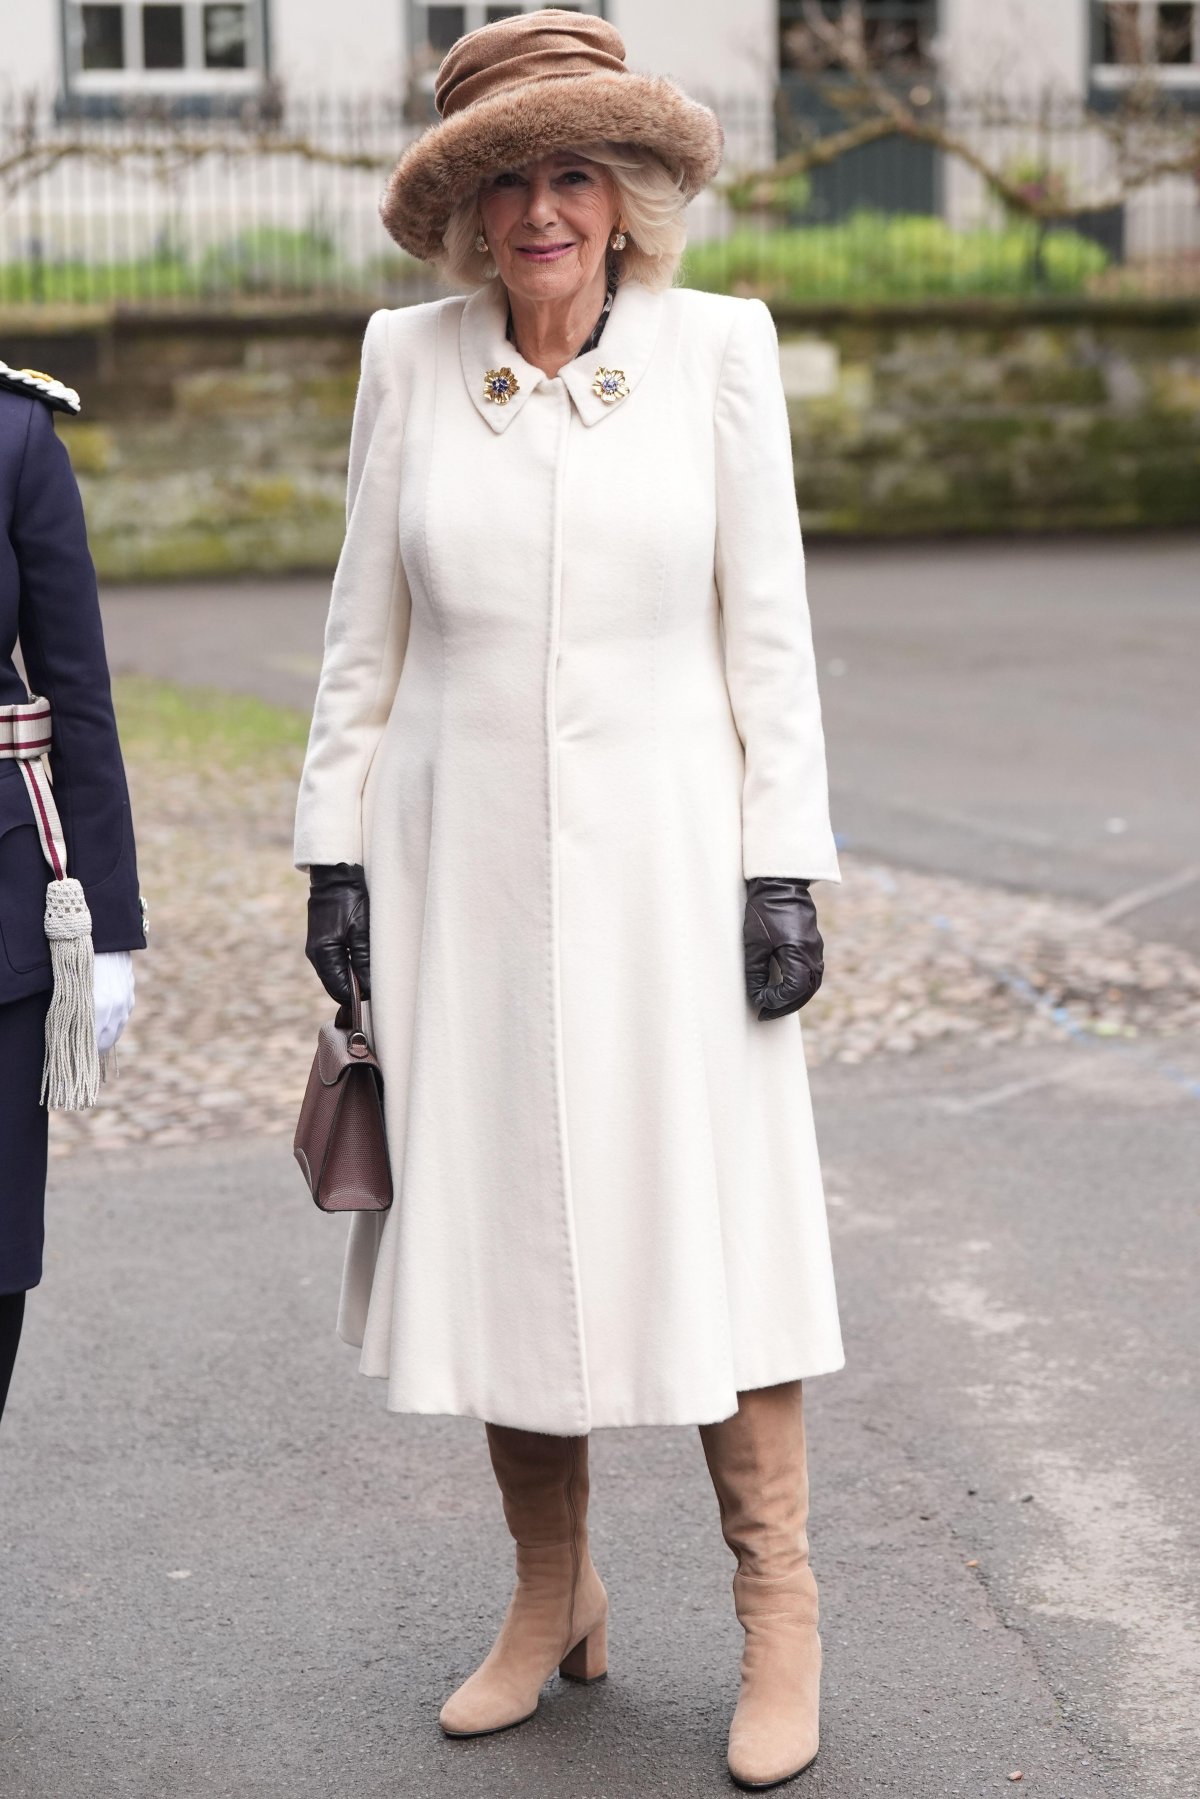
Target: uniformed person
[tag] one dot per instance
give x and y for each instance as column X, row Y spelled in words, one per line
column 70, row 912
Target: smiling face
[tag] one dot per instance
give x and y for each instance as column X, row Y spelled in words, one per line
column 548, row 224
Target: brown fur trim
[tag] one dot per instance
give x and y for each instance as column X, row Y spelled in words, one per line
column 451, row 159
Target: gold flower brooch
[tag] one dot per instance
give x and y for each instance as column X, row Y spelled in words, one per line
column 499, row 385
column 610, row 385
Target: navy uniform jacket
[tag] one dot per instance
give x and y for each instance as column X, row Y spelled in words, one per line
column 48, row 603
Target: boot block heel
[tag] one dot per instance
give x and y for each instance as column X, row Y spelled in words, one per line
column 589, row 1658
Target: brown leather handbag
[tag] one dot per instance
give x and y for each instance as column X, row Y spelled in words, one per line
column 340, row 1143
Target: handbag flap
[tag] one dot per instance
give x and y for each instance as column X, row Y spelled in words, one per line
column 339, row 1049
column 355, row 1175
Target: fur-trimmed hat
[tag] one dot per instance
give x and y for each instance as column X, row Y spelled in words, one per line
column 516, row 89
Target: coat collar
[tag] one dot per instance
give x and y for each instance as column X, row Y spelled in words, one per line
column 626, row 345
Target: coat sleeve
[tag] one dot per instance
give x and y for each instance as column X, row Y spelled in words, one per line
column 367, row 629
column 62, row 644
column 770, row 669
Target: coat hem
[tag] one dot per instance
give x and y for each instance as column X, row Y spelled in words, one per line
column 599, row 1420
column 22, row 1269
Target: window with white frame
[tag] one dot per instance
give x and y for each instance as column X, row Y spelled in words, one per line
column 1130, row 37
column 149, row 46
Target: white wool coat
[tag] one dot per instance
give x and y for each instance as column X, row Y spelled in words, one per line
column 568, row 703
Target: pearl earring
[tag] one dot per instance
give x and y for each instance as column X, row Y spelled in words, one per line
column 618, row 240
column 481, row 242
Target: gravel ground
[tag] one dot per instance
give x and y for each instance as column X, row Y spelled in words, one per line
column 228, row 1009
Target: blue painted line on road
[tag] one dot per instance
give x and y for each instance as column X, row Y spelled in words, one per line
column 1023, row 987
column 1060, row 1015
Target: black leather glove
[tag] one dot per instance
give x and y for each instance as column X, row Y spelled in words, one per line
column 781, row 921
column 339, row 917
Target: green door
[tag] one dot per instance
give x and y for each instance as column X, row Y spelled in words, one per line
column 893, row 175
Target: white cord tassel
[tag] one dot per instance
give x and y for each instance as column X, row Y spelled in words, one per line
column 71, row 1073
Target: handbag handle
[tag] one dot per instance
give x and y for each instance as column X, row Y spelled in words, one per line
column 351, row 1020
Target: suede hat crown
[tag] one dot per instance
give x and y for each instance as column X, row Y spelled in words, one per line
column 540, row 81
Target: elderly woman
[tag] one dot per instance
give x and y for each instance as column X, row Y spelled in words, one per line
column 568, row 739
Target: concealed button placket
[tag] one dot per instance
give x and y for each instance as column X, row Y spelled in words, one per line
column 555, row 388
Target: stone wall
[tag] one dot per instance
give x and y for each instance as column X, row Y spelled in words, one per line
column 995, row 417
column 206, row 445
column 214, row 444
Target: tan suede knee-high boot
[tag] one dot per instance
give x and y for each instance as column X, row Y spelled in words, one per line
column 759, row 1469
column 558, row 1614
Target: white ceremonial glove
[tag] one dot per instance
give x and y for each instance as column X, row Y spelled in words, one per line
column 113, row 991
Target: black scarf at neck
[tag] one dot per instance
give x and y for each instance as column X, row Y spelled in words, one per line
column 597, row 330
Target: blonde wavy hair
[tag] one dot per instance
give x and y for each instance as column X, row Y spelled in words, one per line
column 652, row 207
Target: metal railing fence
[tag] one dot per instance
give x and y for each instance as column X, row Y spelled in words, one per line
column 279, row 202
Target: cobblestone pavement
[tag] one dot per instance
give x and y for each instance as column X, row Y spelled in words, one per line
column 227, row 1008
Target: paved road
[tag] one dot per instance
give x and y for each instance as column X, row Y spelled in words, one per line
column 227, row 1572
column 1021, row 713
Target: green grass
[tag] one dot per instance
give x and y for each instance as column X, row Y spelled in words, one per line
column 264, row 262
column 869, row 256
column 885, row 256
column 201, row 726
column 24, row 283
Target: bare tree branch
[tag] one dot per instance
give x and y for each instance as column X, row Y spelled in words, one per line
column 1148, row 137
column 169, row 156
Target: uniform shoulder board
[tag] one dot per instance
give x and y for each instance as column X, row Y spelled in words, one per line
column 32, row 381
